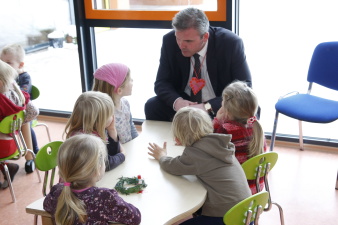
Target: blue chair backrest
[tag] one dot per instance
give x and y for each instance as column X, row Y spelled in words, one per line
column 323, row 67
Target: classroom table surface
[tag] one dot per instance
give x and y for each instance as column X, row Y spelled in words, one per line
column 167, row 198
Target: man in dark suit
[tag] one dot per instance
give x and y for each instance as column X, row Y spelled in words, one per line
column 182, row 80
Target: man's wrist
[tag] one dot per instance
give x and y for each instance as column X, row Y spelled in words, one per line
column 175, row 103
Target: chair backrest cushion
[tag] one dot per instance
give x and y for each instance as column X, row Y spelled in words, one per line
column 237, row 214
column 46, row 158
column 323, row 67
column 8, row 122
column 251, row 165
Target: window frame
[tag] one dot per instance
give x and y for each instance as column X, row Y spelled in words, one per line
column 107, row 14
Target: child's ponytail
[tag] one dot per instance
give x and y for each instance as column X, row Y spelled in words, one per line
column 256, row 145
column 69, row 208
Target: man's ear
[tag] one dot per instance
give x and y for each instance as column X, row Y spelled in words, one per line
column 206, row 36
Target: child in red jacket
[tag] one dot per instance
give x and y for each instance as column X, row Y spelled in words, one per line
column 237, row 117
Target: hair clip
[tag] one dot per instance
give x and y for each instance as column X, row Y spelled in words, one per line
column 251, row 120
column 229, row 97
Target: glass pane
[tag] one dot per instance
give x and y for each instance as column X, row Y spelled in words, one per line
column 139, row 49
column 49, row 38
column 279, row 38
column 163, row 5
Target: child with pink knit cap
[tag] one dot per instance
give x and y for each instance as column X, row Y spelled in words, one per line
column 114, row 79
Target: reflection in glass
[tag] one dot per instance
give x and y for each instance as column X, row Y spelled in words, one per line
column 163, row 5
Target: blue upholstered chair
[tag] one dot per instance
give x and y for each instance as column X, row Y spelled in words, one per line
column 323, row 70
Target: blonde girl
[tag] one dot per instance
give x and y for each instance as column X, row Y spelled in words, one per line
column 81, row 163
column 13, row 100
column 14, row 55
column 93, row 113
column 114, row 79
column 211, row 158
column 237, row 117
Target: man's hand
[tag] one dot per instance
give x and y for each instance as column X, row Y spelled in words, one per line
column 180, row 103
column 199, row 106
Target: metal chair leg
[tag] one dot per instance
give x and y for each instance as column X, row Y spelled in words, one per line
column 37, row 171
column 337, row 182
column 9, row 182
column 281, row 213
column 273, row 135
column 47, row 129
column 301, row 144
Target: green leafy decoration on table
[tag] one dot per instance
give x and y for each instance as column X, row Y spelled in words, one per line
column 138, row 183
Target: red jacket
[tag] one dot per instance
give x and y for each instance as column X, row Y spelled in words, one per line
column 7, row 107
column 241, row 137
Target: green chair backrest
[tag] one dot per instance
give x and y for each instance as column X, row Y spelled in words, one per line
column 251, row 165
column 250, row 208
column 12, row 122
column 46, row 158
column 35, row 93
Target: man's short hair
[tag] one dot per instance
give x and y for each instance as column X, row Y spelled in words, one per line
column 191, row 18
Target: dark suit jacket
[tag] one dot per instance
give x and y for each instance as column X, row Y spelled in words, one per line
column 226, row 62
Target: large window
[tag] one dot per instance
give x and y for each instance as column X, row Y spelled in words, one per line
column 139, row 49
column 280, row 37
column 131, row 32
column 46, row 30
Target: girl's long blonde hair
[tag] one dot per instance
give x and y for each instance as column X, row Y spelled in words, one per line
column 7, row 78
column 80, row 159
column 240, row 103
column 91, row 112
column 190, row 125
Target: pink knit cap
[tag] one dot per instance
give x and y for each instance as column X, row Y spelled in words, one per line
column 113, row 73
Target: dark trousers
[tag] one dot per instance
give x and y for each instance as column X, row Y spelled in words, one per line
column 204, row 220
column 155, row 109
column 34, row 141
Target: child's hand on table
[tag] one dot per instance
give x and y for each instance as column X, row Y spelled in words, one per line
column 156, row 151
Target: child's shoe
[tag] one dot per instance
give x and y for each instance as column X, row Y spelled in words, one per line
column 29, row 166
column 4, row 184
column 12, row 169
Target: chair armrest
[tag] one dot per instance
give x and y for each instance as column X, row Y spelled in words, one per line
column 290, row 93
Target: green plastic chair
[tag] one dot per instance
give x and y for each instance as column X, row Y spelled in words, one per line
column 248, row 210
column 35, row 93
column 46, row 160
column 260, row 166
column 12, row 125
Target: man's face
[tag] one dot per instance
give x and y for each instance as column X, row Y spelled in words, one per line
column 190, row 41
